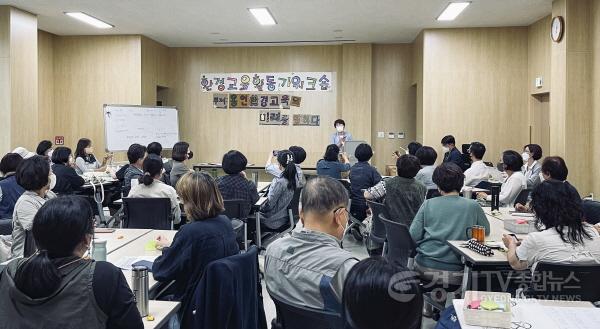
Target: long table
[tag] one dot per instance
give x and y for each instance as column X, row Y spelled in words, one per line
column 253, row 169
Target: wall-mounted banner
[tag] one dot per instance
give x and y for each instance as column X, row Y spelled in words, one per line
column 251, row 101
column 273, row 118
column 260, row 82
column 306, row 120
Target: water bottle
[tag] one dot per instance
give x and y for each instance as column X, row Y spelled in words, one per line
column 139, row 276
column 99, row 250
column 495, row 187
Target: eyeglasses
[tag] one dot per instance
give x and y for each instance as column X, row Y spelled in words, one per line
column 336, row 209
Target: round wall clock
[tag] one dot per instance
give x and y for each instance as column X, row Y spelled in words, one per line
column 557, row 28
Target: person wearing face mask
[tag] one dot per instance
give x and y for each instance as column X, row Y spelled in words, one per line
column 309, row 267
column 340, row 136
column 478, row 172
column 444, row 218
column 33, row 175
column 451, row 153
column 532, row 169
column 67, row 180
column 273, row 213
column 514, row 183
column 181, row 152
column 48, row 288
column 85, row 161
column 44, row 149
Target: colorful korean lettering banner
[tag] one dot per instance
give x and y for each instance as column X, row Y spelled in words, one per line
column 267, row 82
column 306, row 120
column 273, row 118
column 251, row 101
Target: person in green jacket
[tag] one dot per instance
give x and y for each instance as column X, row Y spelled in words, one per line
column 442, row 219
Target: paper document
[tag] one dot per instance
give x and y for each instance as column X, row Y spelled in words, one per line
column 574, row 317
column 125, row 263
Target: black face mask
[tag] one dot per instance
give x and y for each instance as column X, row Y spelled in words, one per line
column 190, row 155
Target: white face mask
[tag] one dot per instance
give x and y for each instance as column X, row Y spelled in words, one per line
column 339, row 128
column 525, row 156
column 52, row 178
column 445, row 149
column 50, row 153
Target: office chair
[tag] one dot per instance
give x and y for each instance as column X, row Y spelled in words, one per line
column 299, row 317
column 400, row 247
column 29, row 247
column 565, row 282
column 522, row 197
column 149, row 213
column 238, row 210
column 377, row 236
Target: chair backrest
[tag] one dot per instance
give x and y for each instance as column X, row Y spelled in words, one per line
column 298, row 317
column 377, row 228
column 150, row 213
column 400, row 245
column 432, row 194
column 347, row 185
column 565, row 282
column 236, row 208
column 6, row 226
column 523, row 196
column 591, row 211
column 295, row 203
column 29, row 247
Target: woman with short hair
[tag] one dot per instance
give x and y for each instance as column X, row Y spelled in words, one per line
column 67, row 180
column 10, row 191
column 85, row 161
column 181, row 153
column 330, row 164
column 532, row 153
column 514, row 183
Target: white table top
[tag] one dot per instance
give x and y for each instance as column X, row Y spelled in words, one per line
column 137, row 248
column 262, row 185
column 161, row 311
column 120, row 238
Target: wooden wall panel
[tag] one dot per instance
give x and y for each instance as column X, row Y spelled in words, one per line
column 539, row 55
column 5, row 113
column 393, row 100
column 91, row 71
column 595, row 161
column 46, row 85
column 475, row 87
column 356, row 89
column 418, row 83
column 212, row 132
column 155, row 67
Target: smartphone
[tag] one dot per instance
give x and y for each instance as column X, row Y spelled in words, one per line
column 514, row 236
column 275, row 153
column 397, row 153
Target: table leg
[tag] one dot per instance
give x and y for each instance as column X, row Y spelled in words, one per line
column 255, row 177
column 466, row 278
column 98, row 196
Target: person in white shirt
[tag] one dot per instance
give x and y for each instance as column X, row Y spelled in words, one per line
column 532, row 168
column 478, row 172
column 151, row 186
column 427, row 157
column 514, row 183
column 564, row 238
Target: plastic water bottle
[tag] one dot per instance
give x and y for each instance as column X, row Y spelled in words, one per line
column 99, row 249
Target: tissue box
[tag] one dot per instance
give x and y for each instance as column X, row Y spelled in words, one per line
column 520, row 225
column 484, row 318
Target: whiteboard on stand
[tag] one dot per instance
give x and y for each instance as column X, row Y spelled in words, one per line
column 129, row 124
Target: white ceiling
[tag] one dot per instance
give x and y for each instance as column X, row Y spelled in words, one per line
column 187, row 23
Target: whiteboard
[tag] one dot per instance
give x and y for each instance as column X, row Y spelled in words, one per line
column 128, row 124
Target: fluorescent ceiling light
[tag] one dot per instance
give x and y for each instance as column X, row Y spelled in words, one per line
column 89, row 20
column 452, row 11
column 263, row 16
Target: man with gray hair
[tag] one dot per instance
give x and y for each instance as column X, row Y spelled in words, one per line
column 309, row 267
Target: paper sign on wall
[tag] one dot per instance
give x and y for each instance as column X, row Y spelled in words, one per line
column 306, row 120
column 251, row 101
column 261, row 82
column 296, row 101
column 273, row 118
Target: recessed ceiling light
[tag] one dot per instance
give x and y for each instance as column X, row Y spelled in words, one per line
column 338, row 31
column 453, row 10
column 89, row 20
column 215, row 33
column 339, row 37
column 222, row 39
column 263, row 16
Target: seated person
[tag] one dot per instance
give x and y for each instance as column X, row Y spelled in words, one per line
column 151, row 186
column 207, row 237
column 273, row 213
column 565, row 238
column 85, row 161
column 427, row 157
column 10, row 191
column 411, row 149
column 235, row 185
column 362, row 176
column 309, row 267
column 67, row 180
column 514, row 183
column 451, row 153
column 532, row 168
column 299, row 156
column 372, row 302
column 478, row 172
column 553, row 167
column 403, row 193
column 181, row 153
column 156, row 149
column 441, row 219
column 44, row 149
column 136, row 155
column 330, row 164
column 33, row 175
column 57, row 282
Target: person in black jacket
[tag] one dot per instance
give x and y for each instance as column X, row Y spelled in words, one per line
column 67, row 180
column 451, row 153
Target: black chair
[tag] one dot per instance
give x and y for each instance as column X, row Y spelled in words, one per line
column 29, row 247
column 400, row 247
column 6, row 226
column 484, row 185
column 377, row 236
column 522, row 197
column 432, row 194
column 150, row 213
column 591, row 211
column 292, row 208
column 298, row 317
column 238, row 209
column 565, row 282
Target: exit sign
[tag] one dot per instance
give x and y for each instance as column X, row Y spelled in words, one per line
column 59, row 140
